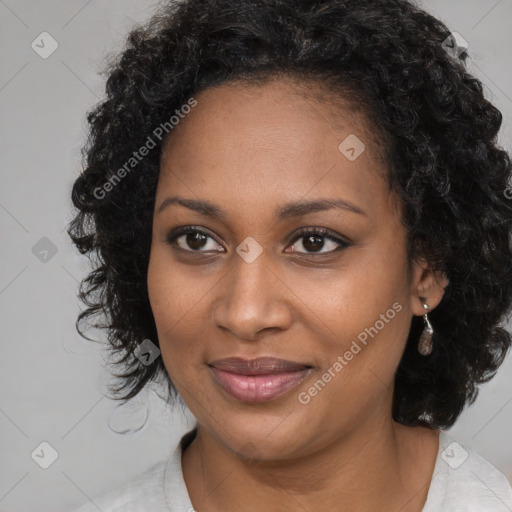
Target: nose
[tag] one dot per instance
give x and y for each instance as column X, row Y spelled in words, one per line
column 253, row 300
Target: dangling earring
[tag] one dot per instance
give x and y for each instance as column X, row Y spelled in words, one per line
column 425, row 343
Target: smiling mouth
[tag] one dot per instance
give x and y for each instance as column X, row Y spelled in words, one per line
column 258, row 380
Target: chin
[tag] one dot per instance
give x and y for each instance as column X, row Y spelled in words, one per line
column 261, row 436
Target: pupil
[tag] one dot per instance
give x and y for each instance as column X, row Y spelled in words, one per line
column 312, row 246
column 193, row 240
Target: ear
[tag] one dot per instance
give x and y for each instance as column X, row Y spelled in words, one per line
column 427, row 286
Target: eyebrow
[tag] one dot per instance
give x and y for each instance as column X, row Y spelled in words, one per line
column 287, row 210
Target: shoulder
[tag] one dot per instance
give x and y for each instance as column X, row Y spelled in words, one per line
column 161, row 488
column 145, row 492
column 464, row 481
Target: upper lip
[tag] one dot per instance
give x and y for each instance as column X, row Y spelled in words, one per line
column 258, row 366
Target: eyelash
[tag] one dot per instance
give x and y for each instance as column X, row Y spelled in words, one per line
column 302, row 233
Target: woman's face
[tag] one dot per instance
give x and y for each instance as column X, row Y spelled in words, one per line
column 247, row 284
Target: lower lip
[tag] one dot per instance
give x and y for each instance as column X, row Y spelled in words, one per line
column 258, row 388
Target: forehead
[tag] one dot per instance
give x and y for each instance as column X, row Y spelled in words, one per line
column 280, row 107
column 273, row 142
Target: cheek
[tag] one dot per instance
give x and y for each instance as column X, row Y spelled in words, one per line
column 364, row 307
column 176, row 304
column 173, row 293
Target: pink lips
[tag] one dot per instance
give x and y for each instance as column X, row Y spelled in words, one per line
column 258, row 380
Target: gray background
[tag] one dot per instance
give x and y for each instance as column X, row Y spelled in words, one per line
column 52, row 382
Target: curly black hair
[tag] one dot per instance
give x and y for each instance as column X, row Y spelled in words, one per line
column 438, row 131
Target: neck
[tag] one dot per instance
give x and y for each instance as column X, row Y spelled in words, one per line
column 376, row 464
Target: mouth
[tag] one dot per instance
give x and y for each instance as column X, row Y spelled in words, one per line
column 258, row 380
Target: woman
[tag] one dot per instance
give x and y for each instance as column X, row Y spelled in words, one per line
column 301, row 207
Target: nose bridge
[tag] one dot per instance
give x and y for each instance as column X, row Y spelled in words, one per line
column 251, row 295
column 249, row 276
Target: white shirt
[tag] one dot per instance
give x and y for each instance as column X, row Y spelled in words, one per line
column 462, row 481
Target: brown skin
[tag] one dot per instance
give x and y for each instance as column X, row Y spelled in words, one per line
column 249, row 149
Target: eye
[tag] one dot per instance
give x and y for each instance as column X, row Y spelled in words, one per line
column 313, row 240
column 192, row 239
